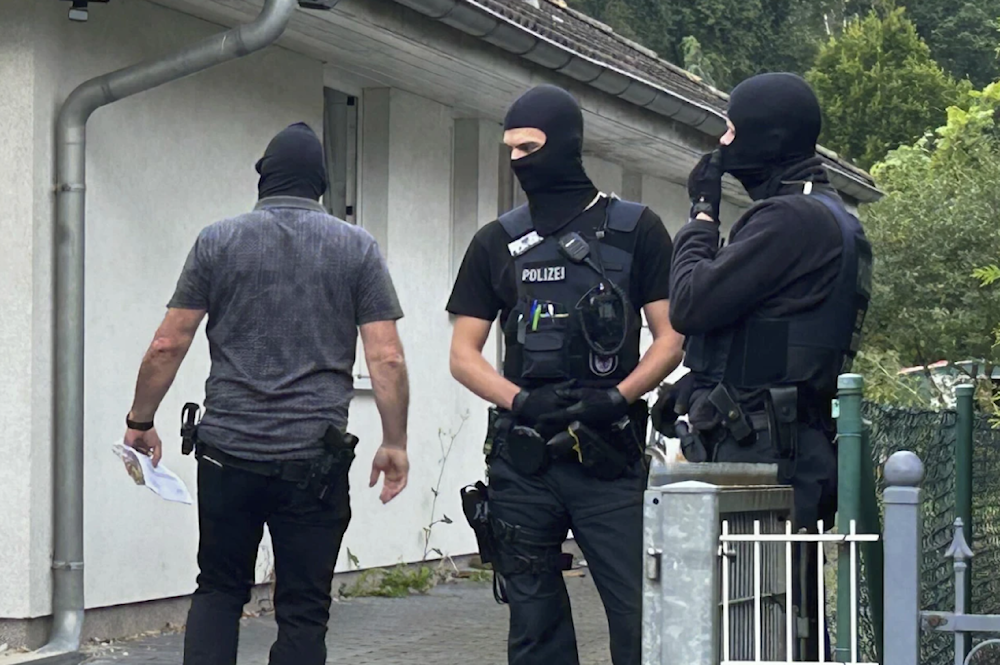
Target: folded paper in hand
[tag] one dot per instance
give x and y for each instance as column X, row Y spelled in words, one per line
column 160, row 479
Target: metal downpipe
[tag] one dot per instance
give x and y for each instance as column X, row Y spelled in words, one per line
column 67, row 565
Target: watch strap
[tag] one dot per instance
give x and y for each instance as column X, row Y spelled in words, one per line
column 142, row 427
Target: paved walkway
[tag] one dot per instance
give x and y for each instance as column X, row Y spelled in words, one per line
column 454, row 624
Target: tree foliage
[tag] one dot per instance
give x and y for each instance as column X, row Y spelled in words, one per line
column 883, row 382
column 962, row 35
column 695, row 61
column 738, row 38
column 935, row 227
column 879, row 87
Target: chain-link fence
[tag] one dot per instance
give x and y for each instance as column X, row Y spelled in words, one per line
column 932, row 436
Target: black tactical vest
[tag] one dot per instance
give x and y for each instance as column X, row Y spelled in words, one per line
column 806, row 349
column 543, row 334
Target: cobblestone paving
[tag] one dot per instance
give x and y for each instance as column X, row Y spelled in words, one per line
column 454, row 624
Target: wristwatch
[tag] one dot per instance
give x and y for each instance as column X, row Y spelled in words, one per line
column 142, row 427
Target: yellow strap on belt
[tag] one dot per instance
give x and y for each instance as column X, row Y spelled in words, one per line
column 576, row 446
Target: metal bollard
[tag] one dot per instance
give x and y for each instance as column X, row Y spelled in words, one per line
column 903, row 539
column 850, row 388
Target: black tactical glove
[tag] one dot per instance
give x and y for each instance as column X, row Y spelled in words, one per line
column 529, row 406
column 672, row 401
column 705, row 185
column 592, row 407
column 662, row 414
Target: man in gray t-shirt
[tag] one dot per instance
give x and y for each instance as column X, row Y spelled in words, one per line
column 286, row 288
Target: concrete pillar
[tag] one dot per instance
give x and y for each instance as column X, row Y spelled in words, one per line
column 482, row 189
column 631, row 186
column 606, row 176
column 475, row 182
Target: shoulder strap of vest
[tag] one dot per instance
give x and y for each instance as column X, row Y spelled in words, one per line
column 838, row 209
column 517, row 222
column 623, row 216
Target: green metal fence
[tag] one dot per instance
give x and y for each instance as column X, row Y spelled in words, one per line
column 962, row 480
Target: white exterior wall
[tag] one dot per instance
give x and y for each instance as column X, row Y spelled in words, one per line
column 417, row 243
column 605, row 175
column 160, row 167
column 22, row 486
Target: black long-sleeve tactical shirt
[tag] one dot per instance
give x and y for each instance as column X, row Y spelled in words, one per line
column 783, row 256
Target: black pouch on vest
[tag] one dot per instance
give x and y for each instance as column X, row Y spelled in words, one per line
column 783, row 412
column 545, row 355
column 525, row 450
column 544, row 340
column 733, row 417
column 599, row 458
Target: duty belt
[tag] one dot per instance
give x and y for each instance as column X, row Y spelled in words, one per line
column 779, row 417
column 501, row 422
column 295, row 471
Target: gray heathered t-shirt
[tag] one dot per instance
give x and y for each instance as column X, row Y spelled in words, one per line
column 286, row 287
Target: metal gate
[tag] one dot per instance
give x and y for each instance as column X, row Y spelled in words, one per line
column 718, row 577
column 771, row 627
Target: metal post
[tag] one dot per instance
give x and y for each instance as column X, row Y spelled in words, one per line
column 961, row 554
column 71, row 157
column 681, row 582
column 963, row 476
column 903, row 540
column 850, row 388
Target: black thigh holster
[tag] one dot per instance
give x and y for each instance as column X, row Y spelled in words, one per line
column 509, row 549
column 524, row 551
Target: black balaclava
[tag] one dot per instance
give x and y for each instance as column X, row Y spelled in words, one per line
column 552, row 177
column 777, row 120
column 293, row 165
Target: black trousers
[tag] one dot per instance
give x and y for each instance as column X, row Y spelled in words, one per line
column 606, row 519
column 233, row 507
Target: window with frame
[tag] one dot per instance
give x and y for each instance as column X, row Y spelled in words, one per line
column 341, row 138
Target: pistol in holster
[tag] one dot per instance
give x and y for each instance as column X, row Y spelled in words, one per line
column 520, row 446
column 475, row 505
column 332, row 465
column 189, row 427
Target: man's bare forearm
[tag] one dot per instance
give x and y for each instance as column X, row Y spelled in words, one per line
column 660, row 359
column 391, row 386
column 474, row 372
column 156, row 375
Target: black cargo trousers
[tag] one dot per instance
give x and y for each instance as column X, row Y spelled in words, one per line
column 234, row 504
column 532, row 515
